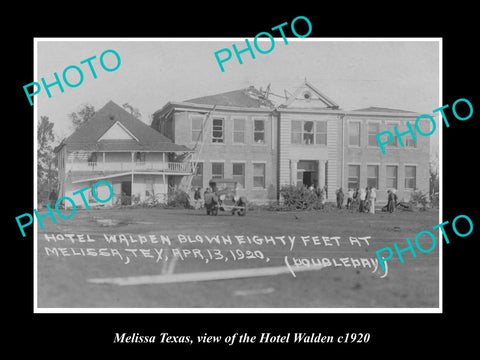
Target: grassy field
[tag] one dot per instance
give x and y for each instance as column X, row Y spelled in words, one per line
column 63, row 279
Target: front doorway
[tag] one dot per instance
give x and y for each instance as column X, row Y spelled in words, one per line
column 126, row 193
column 307, row 173
column 308, row 178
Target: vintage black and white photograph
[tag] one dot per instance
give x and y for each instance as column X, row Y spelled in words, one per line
column 225, row 174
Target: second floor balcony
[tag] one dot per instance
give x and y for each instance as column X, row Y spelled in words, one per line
column 136, row 166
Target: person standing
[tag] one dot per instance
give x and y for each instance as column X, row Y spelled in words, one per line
column 197, row 197
column 323, row 193
column 367, row 199
column 340, row 197
column 356, row 199
column 391, row 201
column 53, row 198
column 373, row 196
column 363, row 195
column 349, row 198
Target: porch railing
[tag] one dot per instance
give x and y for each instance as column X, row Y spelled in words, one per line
column 176, row 167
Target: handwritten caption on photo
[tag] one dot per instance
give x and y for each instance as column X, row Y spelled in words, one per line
column 128, row 248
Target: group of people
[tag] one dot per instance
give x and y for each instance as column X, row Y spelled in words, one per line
column 319, row 191
column 364, row 198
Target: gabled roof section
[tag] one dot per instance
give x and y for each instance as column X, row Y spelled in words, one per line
column 91, row 135
column 248, row 97
column 117, row 132
column 308, row 96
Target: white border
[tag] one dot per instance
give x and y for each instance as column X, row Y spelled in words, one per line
column 242, row 310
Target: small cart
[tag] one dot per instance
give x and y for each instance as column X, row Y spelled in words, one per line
column 223, row 197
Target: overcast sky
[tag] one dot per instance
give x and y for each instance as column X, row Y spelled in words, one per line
column 355, row 74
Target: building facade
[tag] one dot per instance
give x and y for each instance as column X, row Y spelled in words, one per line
column 306, row 139
column 404, row 168
column 138, row 162
column 238, row 142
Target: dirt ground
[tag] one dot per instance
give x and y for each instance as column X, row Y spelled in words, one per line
column 63, row 279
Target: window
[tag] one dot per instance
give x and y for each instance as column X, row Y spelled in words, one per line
column 354, row 133
column 197, row 124
column 259, row 175
column 140, row 157
column 239, row 131
column 372, row 176
column 217, row 131
column 408, row 138
column 410, row 177
column 394, row 142
column 217, row 170
column 309, row 132
column 238, row 172
column 353, row 176
column 296, row 132
column 259, row 131
column 409, row 142
column 321, row 133
column 197, row 179
column 92, row 159
column 373, row 130
column 392, row 171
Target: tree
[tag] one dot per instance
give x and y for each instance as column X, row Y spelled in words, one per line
column 46, row 172
column 133, row 110
column 45, row 136
column 83, row 115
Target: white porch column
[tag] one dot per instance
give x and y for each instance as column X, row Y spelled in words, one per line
column 133, row 167
column 321, row 173
column 293, row 172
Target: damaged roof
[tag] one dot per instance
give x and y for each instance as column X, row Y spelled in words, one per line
column 248, row 97
column 88, row 135
column 382, row 109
